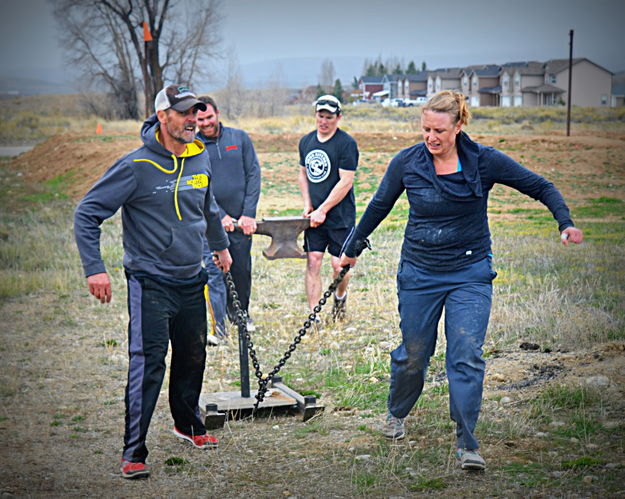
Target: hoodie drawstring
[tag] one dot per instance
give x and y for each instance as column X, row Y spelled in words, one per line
column 169, row 172
column 177, row 183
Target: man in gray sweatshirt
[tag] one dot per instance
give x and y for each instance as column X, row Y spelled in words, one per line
column 236, row 184
column 164, row 191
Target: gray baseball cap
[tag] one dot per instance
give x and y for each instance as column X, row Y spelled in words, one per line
column 177, row 97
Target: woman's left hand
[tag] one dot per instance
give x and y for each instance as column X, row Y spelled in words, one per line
column 571, row 235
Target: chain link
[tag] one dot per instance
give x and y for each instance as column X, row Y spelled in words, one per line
column 241, row 322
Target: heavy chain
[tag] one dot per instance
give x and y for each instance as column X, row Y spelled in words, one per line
column 241, row 322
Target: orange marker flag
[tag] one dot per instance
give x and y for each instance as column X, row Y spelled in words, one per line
column 98, row 129
column 147, row 36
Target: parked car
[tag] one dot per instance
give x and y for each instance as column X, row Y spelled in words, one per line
column 396, row 102
column 415, row 102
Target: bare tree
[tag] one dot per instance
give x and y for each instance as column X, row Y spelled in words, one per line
column 104, row 40
column 231, row 97
column 326, row 76
column 275, row 94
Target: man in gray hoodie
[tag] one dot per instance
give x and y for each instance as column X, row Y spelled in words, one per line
column 164, row 191
column 236, row 184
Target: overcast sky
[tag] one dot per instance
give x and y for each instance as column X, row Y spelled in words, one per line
column 441, row 33
column 463, row 31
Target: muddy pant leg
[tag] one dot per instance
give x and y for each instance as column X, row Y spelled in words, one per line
column 240, row 249
column 149, row 308
column 420, row 307
column 467, row 310
column 188, row 347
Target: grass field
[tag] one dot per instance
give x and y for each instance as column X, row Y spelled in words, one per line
column 551, row 423
column 28, row 120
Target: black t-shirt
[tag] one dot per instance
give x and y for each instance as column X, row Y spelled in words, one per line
column 323, row 161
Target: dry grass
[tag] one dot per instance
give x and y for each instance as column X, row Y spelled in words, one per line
column 27, row 120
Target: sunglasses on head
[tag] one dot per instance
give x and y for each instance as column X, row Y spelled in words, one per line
column 327, row 103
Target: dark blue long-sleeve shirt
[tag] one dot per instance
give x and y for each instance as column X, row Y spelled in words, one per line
column 447, row 226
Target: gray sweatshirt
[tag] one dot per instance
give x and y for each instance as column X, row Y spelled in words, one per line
column 167, row 210
column 236, row 172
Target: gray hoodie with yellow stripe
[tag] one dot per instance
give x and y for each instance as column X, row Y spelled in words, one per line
column 167, row 208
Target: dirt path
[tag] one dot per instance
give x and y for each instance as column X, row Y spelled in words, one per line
column 61, row 422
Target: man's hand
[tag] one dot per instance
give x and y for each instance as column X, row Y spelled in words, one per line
column 345, row 260
column 317, row 218
column 247, row 225
column 308, row 209
column 228, row 223
column 100, row 286
column 571, row 235
column 223, row 260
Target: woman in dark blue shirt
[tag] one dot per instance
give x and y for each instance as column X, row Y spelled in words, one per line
column 446, row 259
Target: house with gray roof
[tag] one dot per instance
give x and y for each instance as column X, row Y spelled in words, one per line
column 524, row 83
column 618, row 89
column 443, row 79
column 591, row 85
column 413, row 85
column 618, row 94
column 369, row 85
column 480, row 84
column 514, row 78
column 391, row 85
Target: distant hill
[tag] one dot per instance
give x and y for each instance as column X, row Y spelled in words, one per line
column 14, row 86
column 295, row 72
column 288, row 73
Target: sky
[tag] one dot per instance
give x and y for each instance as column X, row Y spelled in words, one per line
column 266, row 37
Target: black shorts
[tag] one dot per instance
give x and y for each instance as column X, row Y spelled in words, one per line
column 320, row 238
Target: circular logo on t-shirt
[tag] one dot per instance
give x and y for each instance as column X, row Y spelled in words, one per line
column 317, row 166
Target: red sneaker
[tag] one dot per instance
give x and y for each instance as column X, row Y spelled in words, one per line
column 134, row 470
column 205, row 441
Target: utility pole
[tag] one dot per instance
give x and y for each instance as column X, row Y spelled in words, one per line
column 568, row 104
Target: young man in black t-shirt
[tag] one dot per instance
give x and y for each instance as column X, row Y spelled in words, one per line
column 328, row 162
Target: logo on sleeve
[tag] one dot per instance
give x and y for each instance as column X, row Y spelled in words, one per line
column 317, row 165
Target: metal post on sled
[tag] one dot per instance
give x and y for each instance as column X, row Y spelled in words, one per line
column 244, row 364
column 278, row 398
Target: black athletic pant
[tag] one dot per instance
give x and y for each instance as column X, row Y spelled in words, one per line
column 240, row 250
column 159, row 314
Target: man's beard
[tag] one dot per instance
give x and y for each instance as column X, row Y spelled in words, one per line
column 179, row 134
column 211, row 131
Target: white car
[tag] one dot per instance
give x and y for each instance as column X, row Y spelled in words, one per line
column 415, row 102
column 396, row 102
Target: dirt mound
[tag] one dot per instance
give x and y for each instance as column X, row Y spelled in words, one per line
column 77, row 160
column 367, row 141
column 517, row 370
column 80, row 159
